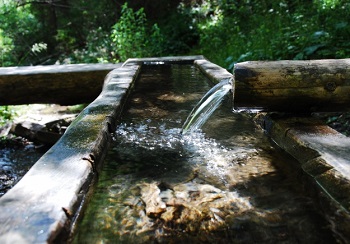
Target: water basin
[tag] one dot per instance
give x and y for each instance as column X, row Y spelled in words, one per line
column 225, row 183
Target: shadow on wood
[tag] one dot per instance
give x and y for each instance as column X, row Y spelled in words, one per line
column 59, row 84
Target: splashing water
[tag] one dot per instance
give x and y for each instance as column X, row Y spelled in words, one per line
column 206, row 106
column 160, row 186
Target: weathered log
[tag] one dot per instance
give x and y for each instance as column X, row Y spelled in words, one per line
column 43, row 205
column 293, row 86
column 59, row 84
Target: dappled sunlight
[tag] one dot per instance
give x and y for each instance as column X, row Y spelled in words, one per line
column 328, row 4
column 170, row 96
column 334, row 148
column 225, row 182
column 50, row 185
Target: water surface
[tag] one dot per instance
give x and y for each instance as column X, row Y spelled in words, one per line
column 17, row 156
column 223, row 184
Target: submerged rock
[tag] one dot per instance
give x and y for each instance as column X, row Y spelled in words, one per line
column 154, row 205
column 189, row 207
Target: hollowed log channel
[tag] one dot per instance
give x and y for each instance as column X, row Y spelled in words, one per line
column 45, row 204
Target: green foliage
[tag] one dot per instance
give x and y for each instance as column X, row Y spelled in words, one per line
column 180, row 32
column 133, row 38
column 225, row 31
column 97, row 49
column 232, row 31
column 83, row 35
column 6, row 46
column 68, row 30
column 6, row 114
column 18, row 34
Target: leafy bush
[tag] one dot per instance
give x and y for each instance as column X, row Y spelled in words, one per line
column 98, row 49
column 6, row 114
column 225, row 31
column 6, row 46
column 232, row 31
column 18, row 33
column 132, row 37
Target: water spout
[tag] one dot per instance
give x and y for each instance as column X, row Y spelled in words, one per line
column 207, row 105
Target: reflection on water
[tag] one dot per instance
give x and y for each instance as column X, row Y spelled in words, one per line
column 223, row 184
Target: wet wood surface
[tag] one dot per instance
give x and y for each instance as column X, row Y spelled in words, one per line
column 59, row 84
column 323, row 154
column 296, row 86
column 44, row 205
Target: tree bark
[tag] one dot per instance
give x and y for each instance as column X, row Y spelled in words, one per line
column 293, row 86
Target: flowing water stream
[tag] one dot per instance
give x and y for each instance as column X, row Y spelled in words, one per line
column 226, row 183
column 206, row 106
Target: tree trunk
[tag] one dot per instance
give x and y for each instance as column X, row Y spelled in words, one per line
column 293, row 86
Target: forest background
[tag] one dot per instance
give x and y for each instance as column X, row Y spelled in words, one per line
column 39, row 32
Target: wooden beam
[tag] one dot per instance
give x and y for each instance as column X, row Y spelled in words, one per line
column 59, row 84
column 295, row 86
column 44, row 205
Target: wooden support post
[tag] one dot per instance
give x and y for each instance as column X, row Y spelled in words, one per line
column 293, row 86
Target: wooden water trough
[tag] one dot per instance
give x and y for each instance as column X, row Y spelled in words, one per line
column 45, row 205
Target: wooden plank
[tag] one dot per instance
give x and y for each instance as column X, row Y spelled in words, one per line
column 213, row 72
column 323, row 154
column 59, row 84
column 297, row 86
column 44, row 205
